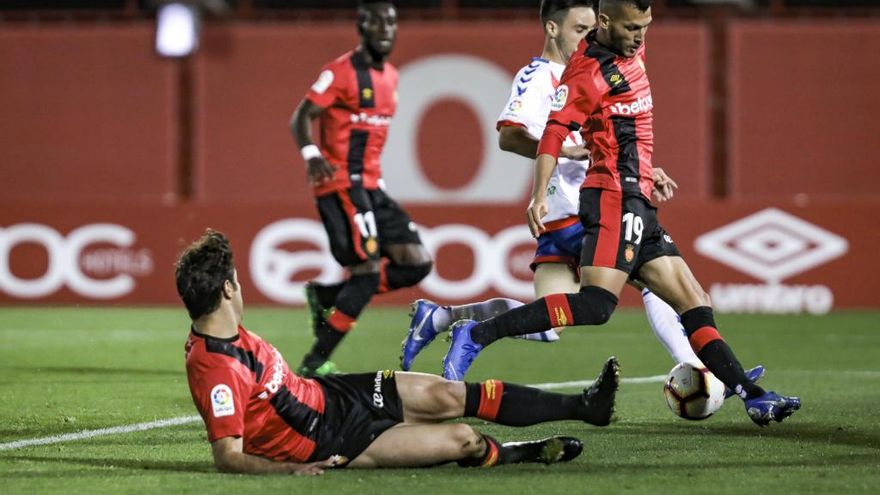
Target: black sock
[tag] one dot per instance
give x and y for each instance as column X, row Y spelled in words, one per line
column 352, row 299
column 515, row 405
column 591, row 306
column 355, row 295
column 327, row 340
column 399, row 276
column 327, row 294
column 713, row 351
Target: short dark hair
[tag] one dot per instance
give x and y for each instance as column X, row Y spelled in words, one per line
column 555, row 10
column 642, row 5
column 201, row 270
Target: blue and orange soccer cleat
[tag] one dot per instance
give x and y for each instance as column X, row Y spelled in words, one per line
column 771, row 406
column 462, row 351
column 753, row 375
column 421, row 332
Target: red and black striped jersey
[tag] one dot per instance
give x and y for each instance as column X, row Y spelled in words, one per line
column 608, row 98
column 242, row 387
column 358, row 102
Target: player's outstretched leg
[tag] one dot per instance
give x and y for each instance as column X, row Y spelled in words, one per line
column 510, row 404
column 430, row 319
column 753, row 374
column 771, row 406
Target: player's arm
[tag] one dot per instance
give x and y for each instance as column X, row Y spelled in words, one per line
column 229, row 458
column 317, row 168
column 575, row 99
column 516, row 139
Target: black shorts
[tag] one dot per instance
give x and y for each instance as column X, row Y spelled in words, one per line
column 357, row 409
column 621, row 231
column 359, row 222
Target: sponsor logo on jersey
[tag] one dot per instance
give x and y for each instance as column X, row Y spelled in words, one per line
column 378, row 398
column 367, row 94
column 641, row 105
column 771, row 245
column 374, row 120
column 616, row 79
column 277, row 379
column 221, row 401
column 559, row 98
column 325, row 79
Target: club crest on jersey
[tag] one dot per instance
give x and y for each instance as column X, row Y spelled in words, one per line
column 629, row 253
column 371, row 245
column 221, row 401
column 559, row 98
column 367, row 94
column 325, row 79
column 616, row 79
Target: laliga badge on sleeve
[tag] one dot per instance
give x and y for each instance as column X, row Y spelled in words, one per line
column 221, row 401
column 559, row 98
column 325, row 79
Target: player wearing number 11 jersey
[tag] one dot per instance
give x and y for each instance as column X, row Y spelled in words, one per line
column 354, row 98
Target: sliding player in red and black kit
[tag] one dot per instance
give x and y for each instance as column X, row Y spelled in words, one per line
column 605, row 94
column 355, row 97
column 261, row 418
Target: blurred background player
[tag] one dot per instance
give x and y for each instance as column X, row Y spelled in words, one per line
column 605, row 93
column 261, row 418
column 520, row 127
column 354, row 98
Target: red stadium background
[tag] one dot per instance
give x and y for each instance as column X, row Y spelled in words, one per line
column 111, row 164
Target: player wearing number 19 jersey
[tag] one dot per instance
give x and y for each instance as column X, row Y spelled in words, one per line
column 521, row 124
column 606, row 95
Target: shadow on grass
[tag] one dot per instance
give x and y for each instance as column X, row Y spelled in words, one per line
column 135, row 464
column 791, row 431
column 91, row 370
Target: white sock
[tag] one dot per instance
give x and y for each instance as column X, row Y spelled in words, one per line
column 444, row 316
column 667, row 327
column 545, row 336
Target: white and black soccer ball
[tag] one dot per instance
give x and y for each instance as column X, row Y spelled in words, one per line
column 692, row 391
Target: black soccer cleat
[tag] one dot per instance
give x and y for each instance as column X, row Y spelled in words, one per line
column 599, row 397
column 548, row 451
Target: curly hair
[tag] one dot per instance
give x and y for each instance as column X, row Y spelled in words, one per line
column 201, row 270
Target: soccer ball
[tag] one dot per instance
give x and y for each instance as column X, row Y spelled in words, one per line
column 692, row 391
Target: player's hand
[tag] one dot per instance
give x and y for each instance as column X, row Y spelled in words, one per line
column 664, row 186
column 536, row 211
column 319, row 171
column 578, row 152
column 314, row 468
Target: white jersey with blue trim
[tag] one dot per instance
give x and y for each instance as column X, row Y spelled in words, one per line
column 528, row 106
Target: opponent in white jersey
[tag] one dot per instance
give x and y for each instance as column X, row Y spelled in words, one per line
column 531, row 94
column 520, row 127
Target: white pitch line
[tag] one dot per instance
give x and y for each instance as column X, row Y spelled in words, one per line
column 81, row 435
column 587, row 383
column 182, row 420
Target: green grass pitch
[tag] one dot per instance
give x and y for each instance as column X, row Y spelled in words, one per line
column 65, row 370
